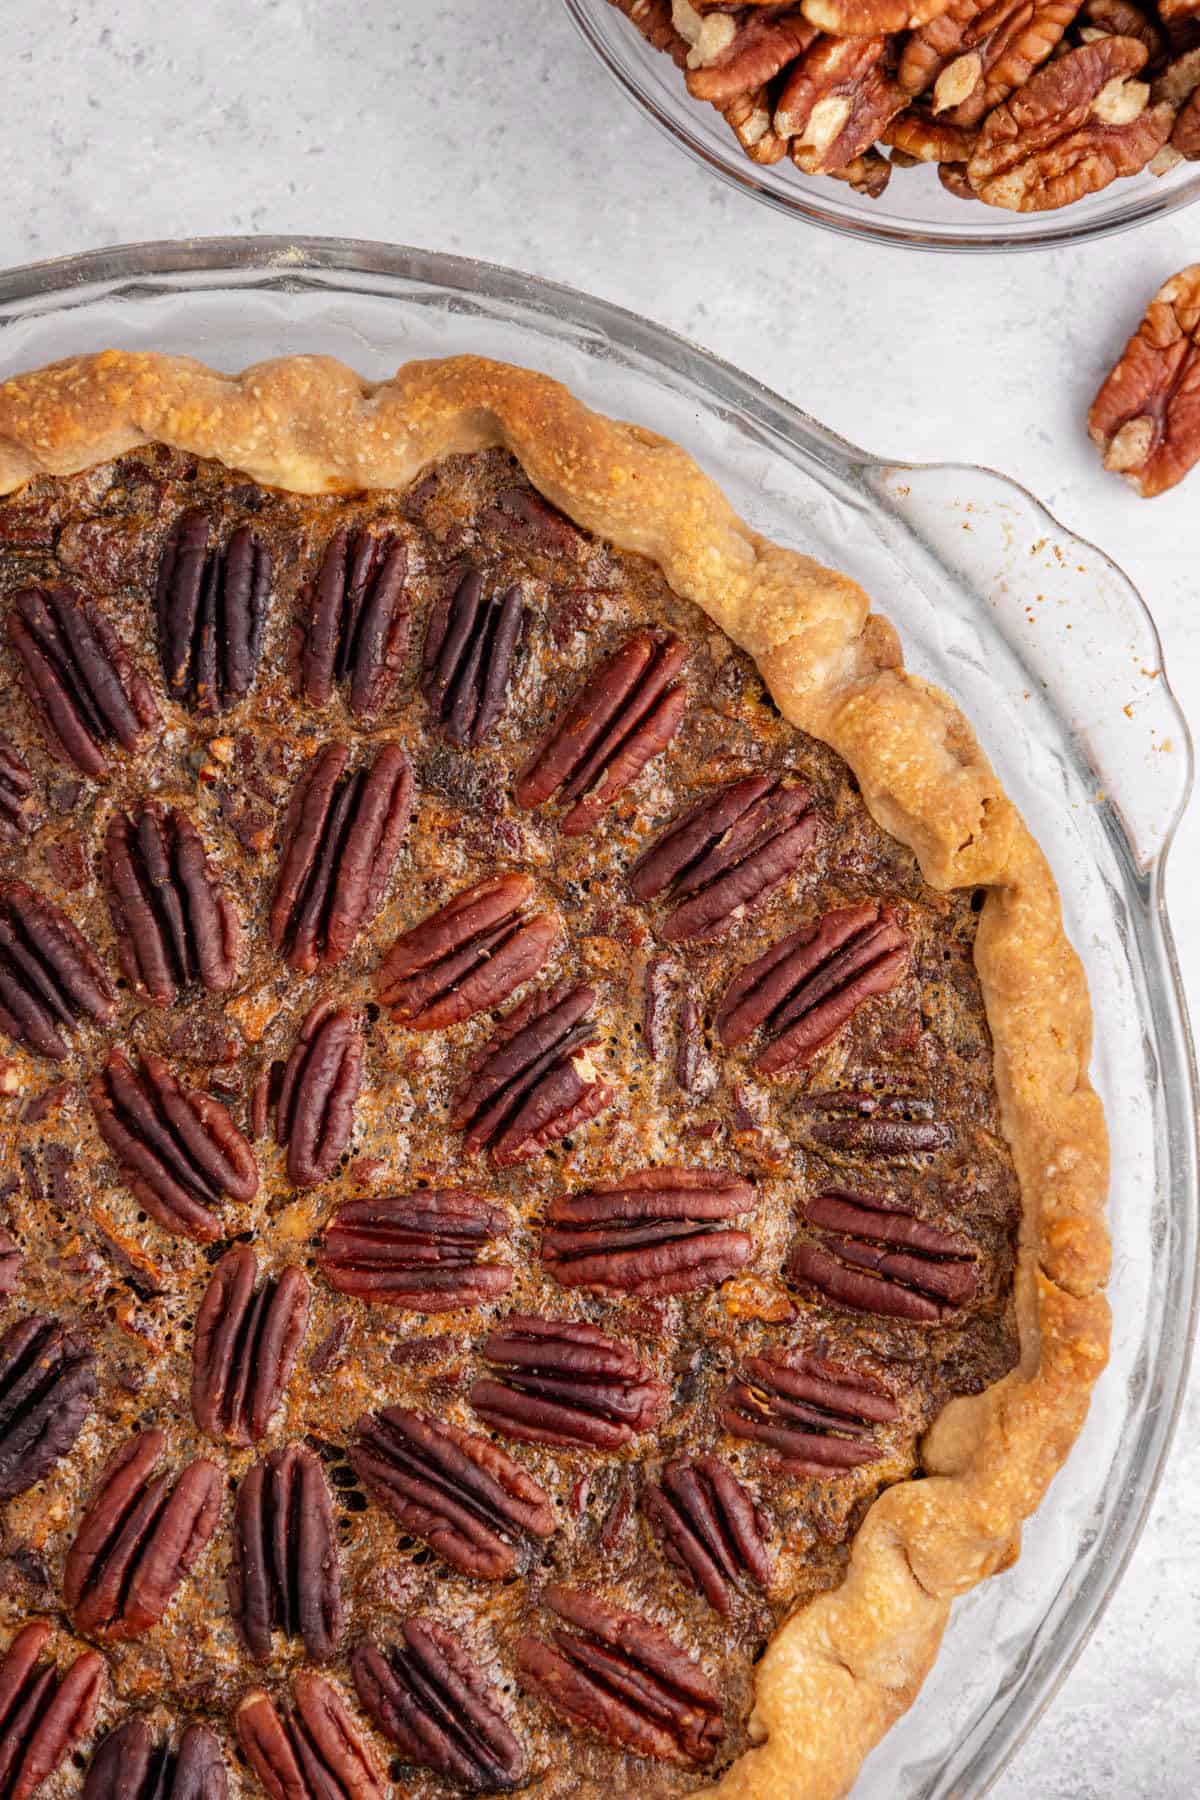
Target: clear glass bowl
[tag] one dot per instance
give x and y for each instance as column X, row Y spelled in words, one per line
column 1054, row 657
column 915, row 211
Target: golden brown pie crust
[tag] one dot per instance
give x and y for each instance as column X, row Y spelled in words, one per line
column 841, row 1671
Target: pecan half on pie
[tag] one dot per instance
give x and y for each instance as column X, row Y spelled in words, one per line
column 552, row 1206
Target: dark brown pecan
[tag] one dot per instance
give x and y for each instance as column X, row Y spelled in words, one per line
column 139, row 1537
column 353, row 621
column 623, row 1679
column 522, row 515
column 314, row 1115
column 43, row 1714
column 874, row 1256
column 725, row 854
column 78, row 678
column 533, row 1081
column 708, row 1527
column 468, row 956
column 286, row 1573
column 16, row 793
column 761, row 45
column 455, row 1490
column 178, row 1150
column 624, row 714
column 566, row 1383
column 131, row 1765
column 975, row 53
column 11, row 1263
column 245, row 1345
column 816, row 1417
column 211, row 610
column 808, row 986
column 655, row 1232
column 310, row 1750
column 1146, row 417
column 173, row 921
column 419, row 1251
column 871, row 1124
column 47, row 1385
column 49, row 978
column 341, row 836
column 467, row 661
column 433, row 1703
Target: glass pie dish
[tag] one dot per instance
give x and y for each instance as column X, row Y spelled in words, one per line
column 1051, row 653
column 915, row 211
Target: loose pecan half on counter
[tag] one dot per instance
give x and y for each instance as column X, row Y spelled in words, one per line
column 1146, row 417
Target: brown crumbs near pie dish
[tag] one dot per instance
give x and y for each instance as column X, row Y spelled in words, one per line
column 503, row 1164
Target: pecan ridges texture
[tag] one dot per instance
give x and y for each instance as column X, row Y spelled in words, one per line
column 354, row 621
column 341, row 836
column 726, row 854
column 419, row 1251
column 873, row 1124
column 78, row 678
column 132, row 1765
column 816, row 1417
column 43, row 1714
column 874, row 1256
column 174, row 923
column 709, row 1528
column 805, row 988
column 138, row 1539
column 47, row 1385
column 177, row 1148
column 533, row 1082
column 625, row 714
column 286, row 1572
column 310, row 1750
column 432, row 1702
column 211, row 613
column 322, row 1078
column 16, row 792
column 468, row 956
column 623, row 1679
column 245, row 1346
column 657, row 1231
column 455, row 1490
column 49, row 977
column 566, row 1383
column 467, row 663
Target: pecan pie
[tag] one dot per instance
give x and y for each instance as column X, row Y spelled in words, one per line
column 552, row 1201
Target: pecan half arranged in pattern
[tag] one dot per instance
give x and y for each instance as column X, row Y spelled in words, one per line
column 657, row 1231
column 49, row 977
column 808, row 986
column 524, row 517
column 139, row 1537
column 43, row 1714
column 314, row 1115
column 564, row 1382
column 874, row 1256
column 16, row 793
column 835, row 101
column 725, row 854
column 433, row 1703
column 455, row 1490
column 341, row 836
column 353, row 621
column 976, row 53
column 12, row 1261
column 419, row 1251
column 533, row 1082
column 468, row 956
column 1146, row 417
column 78, row 678
column 622, row 716
column 816, row 1417
column 869, row 1124
column 211, row 611
column 245, row 1345
column 178, row 1150
column 708, row 1527
column 47, row 1385
column 467, row 661
column 760, row 45
column 623, row 1679
column 1078, row 124
column 131, row 1765
column 310, row 1750
column 286, row 1573
column 173, row 921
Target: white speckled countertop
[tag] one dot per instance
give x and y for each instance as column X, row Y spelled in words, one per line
column 485, row 127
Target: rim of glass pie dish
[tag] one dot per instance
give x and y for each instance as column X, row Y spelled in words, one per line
column 914, row 213
column 1054, row 656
